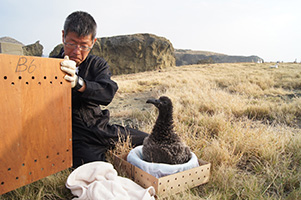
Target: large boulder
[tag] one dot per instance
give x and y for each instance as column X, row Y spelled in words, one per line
column 35, row 49
column 133, row 53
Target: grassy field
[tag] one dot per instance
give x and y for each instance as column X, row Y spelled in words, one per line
column 244, row 118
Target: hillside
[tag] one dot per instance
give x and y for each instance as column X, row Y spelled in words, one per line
column 195, row 52
column 189, row 57
column 10, row 40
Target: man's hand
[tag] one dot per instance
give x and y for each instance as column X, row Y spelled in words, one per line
column 69, row 67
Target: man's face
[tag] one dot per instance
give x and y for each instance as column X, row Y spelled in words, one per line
column 77, row 48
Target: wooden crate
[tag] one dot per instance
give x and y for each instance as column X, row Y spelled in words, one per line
column 35, row 120
column 166, row 185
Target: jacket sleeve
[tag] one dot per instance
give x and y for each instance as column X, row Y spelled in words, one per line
column 100, row 89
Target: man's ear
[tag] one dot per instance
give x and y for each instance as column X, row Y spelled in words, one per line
column 63, row 36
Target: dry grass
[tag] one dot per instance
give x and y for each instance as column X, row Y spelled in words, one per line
column 243, row 118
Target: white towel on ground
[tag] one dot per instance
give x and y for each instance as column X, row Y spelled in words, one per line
column 135, row 157
column 99, row 181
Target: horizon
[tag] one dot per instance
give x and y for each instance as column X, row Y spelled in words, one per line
column 266, row 29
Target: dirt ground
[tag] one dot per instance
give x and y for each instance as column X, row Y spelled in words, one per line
column 123, row 104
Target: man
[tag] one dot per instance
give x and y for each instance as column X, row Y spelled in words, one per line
column 91, row 83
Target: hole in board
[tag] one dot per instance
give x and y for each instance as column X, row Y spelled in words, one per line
column 208, row 168
column 191, row 180
column 20, row 77
column 179, row 185
column 30, row 173
column 42, row 169
column 12, row 83
column 23, row 164
column 171, row 187
column 183, row 176
column 163, row 190
column 141, row 175
column 32, row 77
column 185, row 183
column 8, row 169
column 63, row 161
column 47, row 156
column 189, row 174
column 39, row 83
column 52, row 164
column 17, row 178
column 67, row 150
column 45, row 77
column 58, row 153
column 196, row 172
column 2, row 183
column 202, row 170
column 27, row 83
column 199, row 178
column 61, row 83
column 5, row 77
column 50, row 82
column 160, row 183
column 55, row 77
column 204, row 176
column 35, row 160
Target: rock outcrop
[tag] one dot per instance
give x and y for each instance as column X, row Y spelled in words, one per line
column 133, row 53
column 56, row 50
column 189, row 57
column 136, row 53
column 35, row 49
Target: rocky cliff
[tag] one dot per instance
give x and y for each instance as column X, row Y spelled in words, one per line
column 188, row 57
column 133, row 53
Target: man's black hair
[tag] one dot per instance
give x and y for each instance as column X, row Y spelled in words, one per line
column 81, row 23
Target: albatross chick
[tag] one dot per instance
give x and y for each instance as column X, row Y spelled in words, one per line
column 163, row 145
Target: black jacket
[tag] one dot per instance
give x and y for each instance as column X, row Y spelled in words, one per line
column 100, row 90
column 92, row 135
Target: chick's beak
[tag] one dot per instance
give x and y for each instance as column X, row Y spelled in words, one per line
column 153, row 101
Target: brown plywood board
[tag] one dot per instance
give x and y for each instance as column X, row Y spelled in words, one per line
column 35, row 120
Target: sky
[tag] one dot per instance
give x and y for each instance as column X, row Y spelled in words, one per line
column 269, row 29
